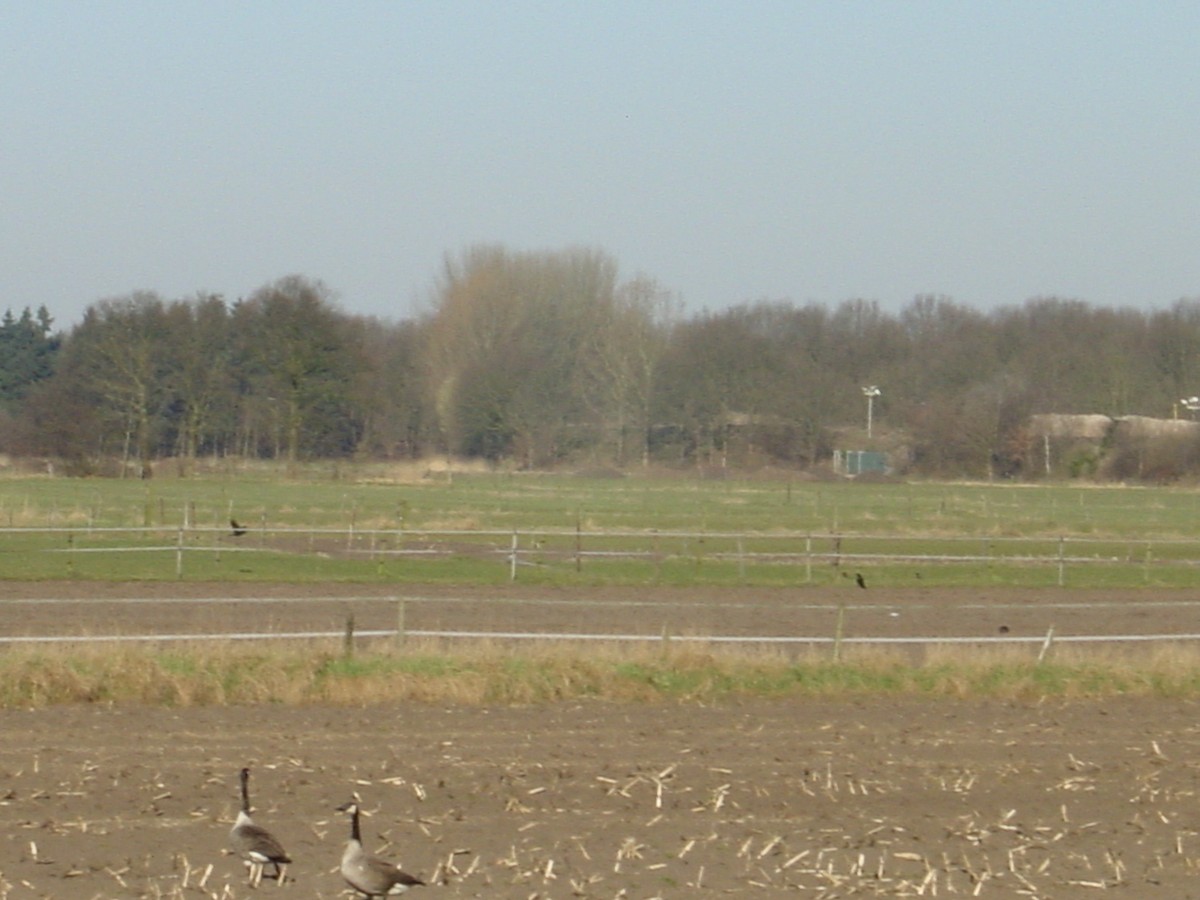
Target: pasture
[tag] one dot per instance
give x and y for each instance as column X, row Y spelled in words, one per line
column 375, row 498
column 575, row 531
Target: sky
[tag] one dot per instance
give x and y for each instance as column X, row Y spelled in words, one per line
column 990, row 152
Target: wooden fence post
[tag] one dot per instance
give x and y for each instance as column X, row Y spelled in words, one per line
column 512, row 557
column 579, row 542
column 400, row 629
column 837, row 632
column 348, row 639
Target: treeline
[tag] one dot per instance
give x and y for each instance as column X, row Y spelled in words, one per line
column 540, row 359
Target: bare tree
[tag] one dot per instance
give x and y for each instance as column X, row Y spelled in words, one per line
column 199, row 331
column 121, row 352
column 506, row 341
column 623, row 351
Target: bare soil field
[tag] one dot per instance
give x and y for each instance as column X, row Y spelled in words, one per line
column 864, row 797
column 94, row 609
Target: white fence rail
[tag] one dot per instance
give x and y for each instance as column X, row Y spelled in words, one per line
column 836, row 640
column 584, row 637
column 575, row 548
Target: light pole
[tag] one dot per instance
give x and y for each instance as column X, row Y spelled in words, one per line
column 870, row 393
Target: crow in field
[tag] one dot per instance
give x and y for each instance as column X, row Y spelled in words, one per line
column 238, row 530
column 859, row 580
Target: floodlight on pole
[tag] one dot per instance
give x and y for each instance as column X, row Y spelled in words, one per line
column 870, row 393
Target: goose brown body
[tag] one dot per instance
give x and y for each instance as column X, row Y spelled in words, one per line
column 255, row 844
column 367, row 873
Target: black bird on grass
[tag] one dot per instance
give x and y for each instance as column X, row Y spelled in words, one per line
column 238, row 530
column 859, row 580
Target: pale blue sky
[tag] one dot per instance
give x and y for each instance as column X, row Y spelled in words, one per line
column 810, row 151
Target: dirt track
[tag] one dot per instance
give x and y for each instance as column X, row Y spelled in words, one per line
column 858, row 798
column 74, row 608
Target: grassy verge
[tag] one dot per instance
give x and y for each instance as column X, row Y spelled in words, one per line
column 215, row 675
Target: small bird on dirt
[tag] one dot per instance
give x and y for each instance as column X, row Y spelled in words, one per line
column 367, row 873
column 255, row 844
column 859, row 580
column 238, row 530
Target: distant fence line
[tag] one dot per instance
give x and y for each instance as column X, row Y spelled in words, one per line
column 616, row 604
column 548, row 546
column 837, row 640
column 668, row 638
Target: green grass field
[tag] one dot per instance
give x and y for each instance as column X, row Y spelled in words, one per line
column 504, row 501
column 362, row 527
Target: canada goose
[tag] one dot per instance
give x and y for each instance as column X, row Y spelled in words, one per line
column 367, row 873
column 255, row 844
